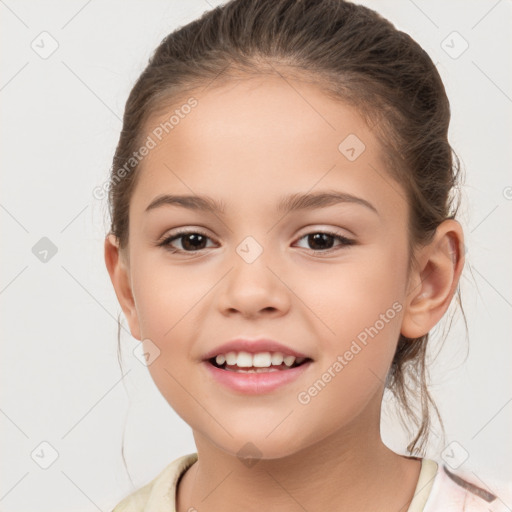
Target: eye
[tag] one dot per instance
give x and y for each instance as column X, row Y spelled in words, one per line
column 191, row 241
column 194, row 241
column 322, row 241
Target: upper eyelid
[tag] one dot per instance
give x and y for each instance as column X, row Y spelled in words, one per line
column 203, row 231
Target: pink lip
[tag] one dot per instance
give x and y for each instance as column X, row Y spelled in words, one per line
column 255, row 383
column 252, row 346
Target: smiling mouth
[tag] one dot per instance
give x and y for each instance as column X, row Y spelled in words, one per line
column 283, row 366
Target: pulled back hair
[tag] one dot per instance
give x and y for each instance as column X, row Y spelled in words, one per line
column 353, row 54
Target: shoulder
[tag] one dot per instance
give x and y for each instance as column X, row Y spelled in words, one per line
column 159, row 493
column 457, row 490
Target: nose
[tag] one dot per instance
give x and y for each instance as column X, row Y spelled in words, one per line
column 254, row 288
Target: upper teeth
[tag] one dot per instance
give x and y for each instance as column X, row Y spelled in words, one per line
column 258, row 360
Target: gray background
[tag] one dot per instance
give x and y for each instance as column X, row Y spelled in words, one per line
column 60, row 379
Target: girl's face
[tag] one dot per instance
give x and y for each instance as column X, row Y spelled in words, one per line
column 258, row 270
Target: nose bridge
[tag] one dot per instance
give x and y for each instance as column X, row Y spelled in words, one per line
column 252, row 284
column 251, row 264
column 250, row 250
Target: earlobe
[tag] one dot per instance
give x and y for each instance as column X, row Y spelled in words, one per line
column 118, row 270
column 434, row 282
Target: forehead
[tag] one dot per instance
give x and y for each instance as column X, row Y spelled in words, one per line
column 259, row 138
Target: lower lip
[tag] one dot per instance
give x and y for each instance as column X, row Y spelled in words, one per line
column 256, row 383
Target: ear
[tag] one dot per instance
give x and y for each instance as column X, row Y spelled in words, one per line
column 119, row 272
column 434, row 281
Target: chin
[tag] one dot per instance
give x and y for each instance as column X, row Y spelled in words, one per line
column 254, row 444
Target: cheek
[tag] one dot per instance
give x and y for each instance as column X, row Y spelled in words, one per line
column 351, row 371
column 360, row 306
column 168, row 299
column 164, row 297
column 353, row 296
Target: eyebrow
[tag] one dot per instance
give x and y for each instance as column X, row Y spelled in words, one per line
column 287, row 204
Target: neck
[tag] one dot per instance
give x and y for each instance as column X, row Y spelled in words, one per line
column 350, row 469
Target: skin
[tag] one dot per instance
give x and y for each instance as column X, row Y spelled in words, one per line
column 247, row 144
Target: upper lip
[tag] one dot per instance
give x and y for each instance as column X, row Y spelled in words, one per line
column 253, row 346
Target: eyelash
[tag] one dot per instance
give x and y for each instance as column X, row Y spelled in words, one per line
column 345, row 242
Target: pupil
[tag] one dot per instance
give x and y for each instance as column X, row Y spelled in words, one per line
column 318, row 237
column 196, row 241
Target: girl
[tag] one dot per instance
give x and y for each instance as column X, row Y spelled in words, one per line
column 283, row 240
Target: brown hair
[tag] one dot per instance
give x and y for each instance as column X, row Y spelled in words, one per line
column 354, row 55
